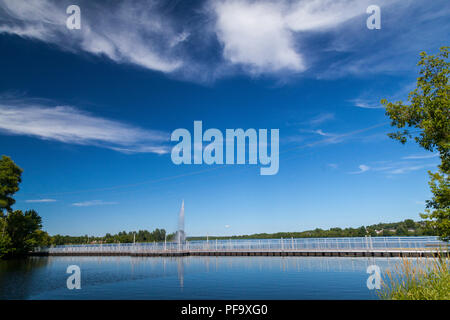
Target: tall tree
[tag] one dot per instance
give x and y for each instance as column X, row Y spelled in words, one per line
column 19, row 231
column 10, row 177
column 426, row 120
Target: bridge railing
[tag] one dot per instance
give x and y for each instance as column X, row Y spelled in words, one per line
column 283, row 244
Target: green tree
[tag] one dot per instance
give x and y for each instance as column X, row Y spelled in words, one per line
column 401, row 230
column 426, row 120
column 5, row 239
column 409, row 223
column 438, row 208
column 24, row 230
column 361, row 232
column 40, row 238
column 19, row 231
column 10, row 177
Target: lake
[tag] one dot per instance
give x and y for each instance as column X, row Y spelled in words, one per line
column 191, row 277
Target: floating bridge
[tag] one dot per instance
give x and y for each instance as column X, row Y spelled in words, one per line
column 342, row 247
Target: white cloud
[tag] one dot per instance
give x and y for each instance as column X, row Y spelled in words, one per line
column 406, row 169
column 254, row 34
column 327, row 37
column 321, row 118
column 362, row 168
column 329, row 138
column 371, row 99
column 314, row 15
column 402, row 167
column 395, row 48
column 40, row 200
column 366, row 104
column 425, row 156
column 264, row 35
column 124, row 32
column 179, row 38
column 92, row 203
column 324, row 134
column 70, row 125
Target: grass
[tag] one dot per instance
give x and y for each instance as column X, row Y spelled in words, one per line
column 427, row 279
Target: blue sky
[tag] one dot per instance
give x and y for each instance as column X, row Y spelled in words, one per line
column 88, row 113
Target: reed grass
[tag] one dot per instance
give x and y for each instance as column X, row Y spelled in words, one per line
column 423, row 279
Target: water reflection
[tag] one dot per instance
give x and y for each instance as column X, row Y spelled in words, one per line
column 191, row 277
column 18, row 277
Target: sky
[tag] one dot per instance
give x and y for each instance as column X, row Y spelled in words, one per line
column 88, row 113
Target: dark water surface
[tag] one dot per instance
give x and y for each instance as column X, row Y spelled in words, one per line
column 191, row 277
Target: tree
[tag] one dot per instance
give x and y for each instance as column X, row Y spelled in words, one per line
column 409, row 223
column 5, row 239
column 361, row 231
column 19, row 232
column 23, row 228
column 401, row 230
column 426, row 120
column 10, row 177
column 438, row 208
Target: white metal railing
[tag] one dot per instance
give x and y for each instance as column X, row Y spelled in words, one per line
column 287, row 244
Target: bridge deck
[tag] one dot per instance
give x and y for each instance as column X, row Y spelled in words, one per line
column 327, row 252
column 341, row 247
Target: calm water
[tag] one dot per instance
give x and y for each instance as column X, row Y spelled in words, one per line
column 191, row 278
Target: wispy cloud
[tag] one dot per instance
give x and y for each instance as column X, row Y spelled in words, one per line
column 400, row 167
column 321, row 118
column 40, row 200
column 273, row 36
column 92, row 203
column 262, row 35
column 425, row 156
column 408, row 168
column 366, row 104
column 325, row 134
column 332, row 138
column 362, row 168
column 70, row 125
column 126, row 32
column 395, row 48
column 372, row 99
column 255, row 37
column 329, row 138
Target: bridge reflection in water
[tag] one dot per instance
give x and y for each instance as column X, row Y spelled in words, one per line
column 123, row 269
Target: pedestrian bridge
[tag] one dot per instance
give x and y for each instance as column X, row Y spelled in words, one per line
column 345, row 247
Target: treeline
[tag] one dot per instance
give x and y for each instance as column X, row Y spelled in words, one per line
column 407, row 227
column 121, row 237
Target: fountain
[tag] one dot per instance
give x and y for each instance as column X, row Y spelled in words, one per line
column 180, row 235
